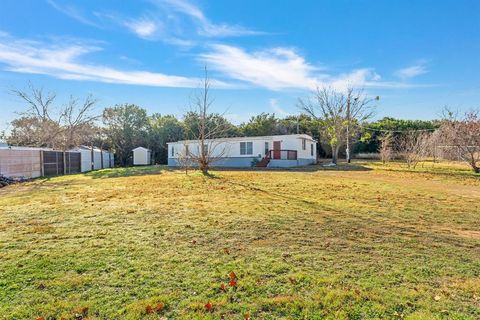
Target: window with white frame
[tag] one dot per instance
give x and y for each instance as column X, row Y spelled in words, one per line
column 246, row 148
column 173, row 151
column 266, row 147
column 304, row 144
column 311, row 149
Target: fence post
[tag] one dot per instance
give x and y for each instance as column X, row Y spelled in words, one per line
column 91, row 157
column 42, row 169
column 64, row 162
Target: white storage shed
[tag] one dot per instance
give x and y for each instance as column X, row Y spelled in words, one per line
column 142, row 156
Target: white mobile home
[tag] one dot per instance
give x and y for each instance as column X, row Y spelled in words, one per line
column 268, row 151
column 142, row 156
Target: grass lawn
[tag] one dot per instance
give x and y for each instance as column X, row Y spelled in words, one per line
column 365, row 241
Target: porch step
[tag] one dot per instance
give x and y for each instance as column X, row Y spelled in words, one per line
column 263, row 163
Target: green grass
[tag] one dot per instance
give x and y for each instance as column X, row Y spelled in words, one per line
column 364, row 241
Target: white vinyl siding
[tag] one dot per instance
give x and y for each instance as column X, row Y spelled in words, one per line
column 246, row 148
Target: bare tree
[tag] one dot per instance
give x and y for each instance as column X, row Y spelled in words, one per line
column 184, row 158
column 44, row 124
column 204, row 132
column 414, row 146
column 462, row 136
column 386, row 147
column 340, row 114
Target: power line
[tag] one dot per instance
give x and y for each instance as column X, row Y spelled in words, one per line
column 397, row 131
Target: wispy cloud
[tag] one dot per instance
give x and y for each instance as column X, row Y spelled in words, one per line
column 143, row 27
column 283, row 68
column 412, row 71
column 148, row 27
column 274, row 68
column 73, row 12
column 277, row 109
column 176, row 22
column 68, row 62
column 204, row 26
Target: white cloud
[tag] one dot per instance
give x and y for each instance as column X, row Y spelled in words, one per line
column 412, row 71
column 72, row 12
column 274, row 69
column 277, row 109
column 205, row 26
column 237, row 119
column 283, row 68
column 64, row 62
column 176, row 22
column 143, row 27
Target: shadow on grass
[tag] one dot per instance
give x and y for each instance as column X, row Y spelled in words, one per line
column 309, row 168
column 280, row 195
column 126, row 172
column 427, row 167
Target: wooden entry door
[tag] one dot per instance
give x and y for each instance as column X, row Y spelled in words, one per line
column 277, row 146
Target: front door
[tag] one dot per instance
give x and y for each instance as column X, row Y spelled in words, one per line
column 277, row 145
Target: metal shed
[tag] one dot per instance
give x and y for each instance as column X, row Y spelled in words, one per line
column 101, row 158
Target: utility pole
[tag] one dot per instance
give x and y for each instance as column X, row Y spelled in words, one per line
column 347, row 151
column 348, row 130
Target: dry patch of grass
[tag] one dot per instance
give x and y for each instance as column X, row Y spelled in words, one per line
column 316, row 244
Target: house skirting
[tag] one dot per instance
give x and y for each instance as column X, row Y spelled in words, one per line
column 290, row 163
column 246, row 162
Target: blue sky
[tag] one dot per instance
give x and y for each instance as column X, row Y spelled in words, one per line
column 418, row 56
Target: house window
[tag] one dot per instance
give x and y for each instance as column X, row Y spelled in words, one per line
column 173, row 151
column 304, row 144
column 266, row 148
column 311, row 149
column 186, row 150
column 246, row 148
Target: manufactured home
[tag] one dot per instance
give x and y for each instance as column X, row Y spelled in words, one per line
column 241, row 152
column 142, row 156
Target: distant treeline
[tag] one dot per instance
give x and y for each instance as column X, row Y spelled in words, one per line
column 124, row 127
column 128, row 126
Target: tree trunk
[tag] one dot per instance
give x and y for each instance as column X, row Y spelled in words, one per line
column 335, row 149
column 475, row 168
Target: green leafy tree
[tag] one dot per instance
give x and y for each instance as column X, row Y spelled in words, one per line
column 126, row 128
column 163, row 129
column 264, row 124
column 371, row 133
column 215, row 124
